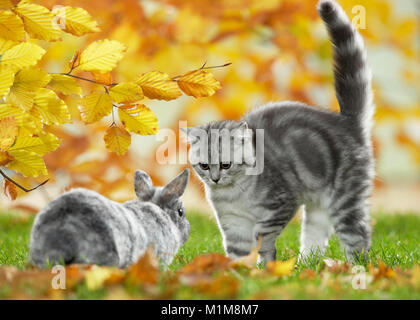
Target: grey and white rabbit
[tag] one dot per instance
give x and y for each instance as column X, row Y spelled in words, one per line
column 82, row 226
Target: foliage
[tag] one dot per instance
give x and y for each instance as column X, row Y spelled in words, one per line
column 200, row 270
column 34, row 100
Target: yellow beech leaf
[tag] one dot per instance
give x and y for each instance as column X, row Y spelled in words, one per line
column 42, row 144
column 23, row 119
column 95, row 106
column 102, row 77
column 281, row 268
column 49, row 108
column 8, row 132
column 27, row 163
column 22, row 55
column 76, row 21
column 7, row 76
column 139, row 119
column 117, row 140
column 198, row 83
column 26, row 83
column 97, row 277
column 65, row 84
column 39, row 22
column 158, row 85
column 101, row 55
column 11, row 27
column 6, row 45
column 9, row 190
column 5, row 4
column 126, row 92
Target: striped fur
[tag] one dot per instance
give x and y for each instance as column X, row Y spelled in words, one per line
column 315, row 158
column 81, row 226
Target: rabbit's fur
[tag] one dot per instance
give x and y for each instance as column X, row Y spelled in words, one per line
column 82, row 226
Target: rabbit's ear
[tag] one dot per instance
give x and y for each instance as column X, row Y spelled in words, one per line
column 143, row 185
column 177, row 186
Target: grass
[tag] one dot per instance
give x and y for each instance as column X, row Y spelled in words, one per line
column 395, row 242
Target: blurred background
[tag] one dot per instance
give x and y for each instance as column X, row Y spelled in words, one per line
column 279, row 50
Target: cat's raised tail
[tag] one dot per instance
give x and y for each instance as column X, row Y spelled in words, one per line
column 351, row 71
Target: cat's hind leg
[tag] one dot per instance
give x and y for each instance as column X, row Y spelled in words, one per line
column 316, row 229
column 350, row 217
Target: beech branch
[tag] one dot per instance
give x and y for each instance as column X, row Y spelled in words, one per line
column 20, row 186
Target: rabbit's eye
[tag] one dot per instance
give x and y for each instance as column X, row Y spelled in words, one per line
column 180, row 212
column 225, row 165
column 204, row 166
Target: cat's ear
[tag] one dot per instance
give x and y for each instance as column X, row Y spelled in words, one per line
column 143, row 186
column 192, row 134
column 177, row 186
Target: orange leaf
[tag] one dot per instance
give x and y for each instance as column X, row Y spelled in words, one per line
column 249, row 260
column 9, row 190
column 145, row 270
column 102, row 78
column 5, row 158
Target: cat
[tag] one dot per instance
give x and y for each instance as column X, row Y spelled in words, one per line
column 313, row 158
column 82, row 226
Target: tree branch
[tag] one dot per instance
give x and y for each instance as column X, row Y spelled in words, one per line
column 18, row 185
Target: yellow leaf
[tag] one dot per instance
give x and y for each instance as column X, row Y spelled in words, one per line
column 96, row 277
column 198, row 83
column 8, row 132
column 117, row 140
column 95, row 106
column 102, row 77
column 5, row 4
column 139, row 119
column 6, row 45
column 22, row 55
column 42, row 144
column 126, row 92
column 102, row 55
column 158, row 85
column 49, row 108
column 9, row 190
column 281, row 268
column 27, row 163
column 39, row 22
column 26, row 83
column 11, row 27
column 65, row 84
column 23, row 119
column 76, row 21
column 7, row 76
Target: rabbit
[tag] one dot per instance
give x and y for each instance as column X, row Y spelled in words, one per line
column 82, row 226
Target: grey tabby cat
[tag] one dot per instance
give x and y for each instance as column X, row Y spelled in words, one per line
column 319, row 159
column 82, row 226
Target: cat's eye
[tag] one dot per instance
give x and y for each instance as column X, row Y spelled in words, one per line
column 225, row 165
column 181, row 212
column 204, row 166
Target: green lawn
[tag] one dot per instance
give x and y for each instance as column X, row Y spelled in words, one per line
column 395, row 242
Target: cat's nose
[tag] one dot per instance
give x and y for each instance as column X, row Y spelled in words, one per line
column 215, row 180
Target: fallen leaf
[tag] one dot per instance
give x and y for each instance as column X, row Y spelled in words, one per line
column 249, row 260
column 281, row 268
column 146, row 270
